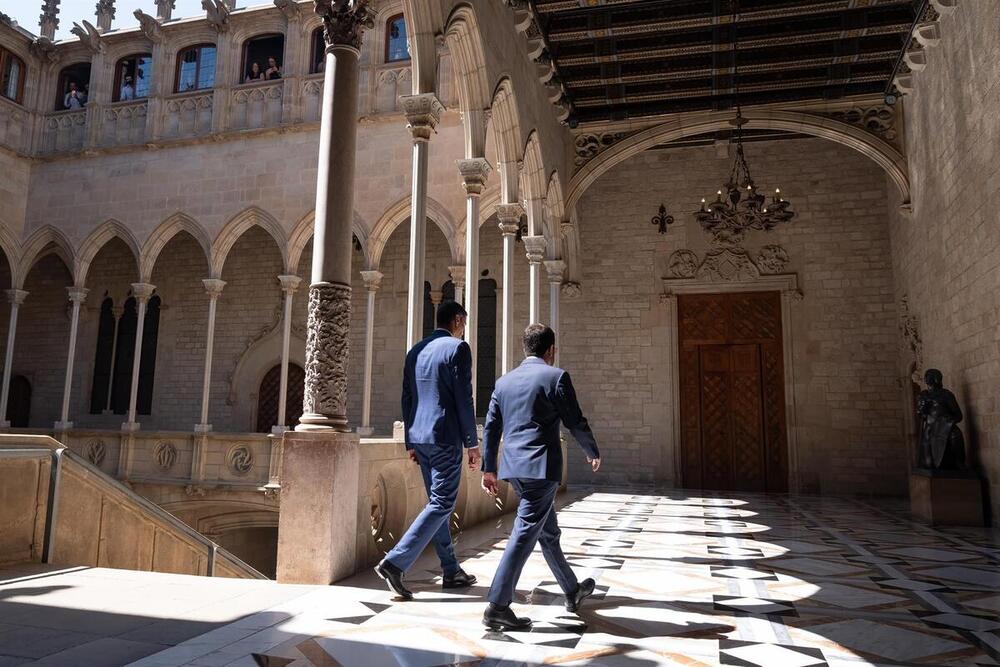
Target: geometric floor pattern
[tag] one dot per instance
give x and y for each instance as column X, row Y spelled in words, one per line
column 751, row 580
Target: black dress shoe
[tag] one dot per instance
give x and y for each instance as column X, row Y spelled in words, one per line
column 503, row 618
column 583, row 591
column 460, row 579
column 393, row 576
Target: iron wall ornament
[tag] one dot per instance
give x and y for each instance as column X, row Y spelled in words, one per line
column 662, row 219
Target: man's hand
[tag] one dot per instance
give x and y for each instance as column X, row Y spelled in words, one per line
column 475, row 456
column 595, row 464
column 413, row 455
column 490, row 483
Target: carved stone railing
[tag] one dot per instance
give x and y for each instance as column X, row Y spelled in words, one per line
column 15, row 124
column 60, row 509
column 312, row 97
column 63, row 131
column 255, row 105
column 187, row 115
column 123, row 123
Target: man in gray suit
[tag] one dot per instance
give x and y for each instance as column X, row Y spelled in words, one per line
column 527, row 406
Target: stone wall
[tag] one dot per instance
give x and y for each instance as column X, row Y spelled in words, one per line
column 13, row 192
column 844, row 329
column 947, row 252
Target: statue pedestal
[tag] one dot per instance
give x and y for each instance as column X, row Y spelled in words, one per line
column 318, row 520
column 946, row 498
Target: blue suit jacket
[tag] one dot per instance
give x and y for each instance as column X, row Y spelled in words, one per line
column 437, row 393
column 527, row 405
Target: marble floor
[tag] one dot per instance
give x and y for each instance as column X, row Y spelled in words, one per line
column 681, row 580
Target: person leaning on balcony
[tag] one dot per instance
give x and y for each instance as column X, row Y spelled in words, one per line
column 254, row 73
column 127, row 91
column 273, row 71
column 74, row 98
column 525, row 410
column 440, row 420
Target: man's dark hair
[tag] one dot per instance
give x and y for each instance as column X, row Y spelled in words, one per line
column 447, row 312
column 538, row 339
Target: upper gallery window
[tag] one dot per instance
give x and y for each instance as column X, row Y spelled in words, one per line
column 318, row 61
column 262, row 57
column 11, row 76
column 73, row 87
column 395, row 40
column 133, row 76
column 196, row 68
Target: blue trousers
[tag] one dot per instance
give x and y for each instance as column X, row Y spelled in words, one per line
column 536, row 522
column 441, row 466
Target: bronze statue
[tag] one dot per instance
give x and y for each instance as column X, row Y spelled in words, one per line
column 942, row 446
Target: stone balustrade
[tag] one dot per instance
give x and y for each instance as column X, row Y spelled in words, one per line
column 187, row 115
column 255, row 105
column 63, row 131
column 124, row 123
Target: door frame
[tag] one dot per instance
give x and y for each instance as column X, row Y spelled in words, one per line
column 788, row 285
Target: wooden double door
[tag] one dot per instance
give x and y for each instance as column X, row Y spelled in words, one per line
column 732, row 392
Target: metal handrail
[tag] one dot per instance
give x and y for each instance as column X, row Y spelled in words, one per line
column 61, row 453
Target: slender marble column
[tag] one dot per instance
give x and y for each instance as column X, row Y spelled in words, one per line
column 556, row 269
column 373, row 280
column 475, row 173
column 535, row 249
column 422, row 115
column 16, row 297
column 142, row 293
column 289, row 285
column 510, row 219
column 327, row 341
column 213, row 288
column 77, row 295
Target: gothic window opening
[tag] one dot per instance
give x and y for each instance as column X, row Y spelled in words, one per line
column 429, row 313
column 486, row 343
column 19, row 402
column 103, row 358
column 73, row 87
column 396, row 48
column 318, row 61
column 263, row 56
column 270, row 393
column 447, row 292
column 133, row 77
column 147, row 360
column 124, row 356
column 12, row 73
column 195, row 68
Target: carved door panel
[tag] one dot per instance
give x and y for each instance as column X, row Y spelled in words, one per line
column 732, row 392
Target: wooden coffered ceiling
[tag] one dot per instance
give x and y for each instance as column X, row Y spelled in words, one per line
column 628, row 59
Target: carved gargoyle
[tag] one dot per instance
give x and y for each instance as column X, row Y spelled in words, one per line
column 149, row 26
column 89, row 35
column 217, row 13
column 290, row 8
column 43, row 49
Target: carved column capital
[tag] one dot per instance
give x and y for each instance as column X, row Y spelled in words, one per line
column 373, row 280
column 509, row 216
column 556, row 268
column 571, row 290
column 535, row 247
column 289, row 283
column 344, row 21
column 423, row 112
column 142, row 291
column 213, row 287
column 16, row 296
column 436, row 297
column 475, row 172
column 457, row 275
column 77, row 294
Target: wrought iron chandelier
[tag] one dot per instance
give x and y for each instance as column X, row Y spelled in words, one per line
column 738, row 206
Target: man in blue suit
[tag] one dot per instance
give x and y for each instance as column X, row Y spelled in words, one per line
column 527, row 406
column 440, row 421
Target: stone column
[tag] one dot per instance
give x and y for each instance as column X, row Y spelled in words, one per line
column 535, row 249
column 48, row 22
column 77, row 295
column 457, row 274
column 373, row 280
column 510, row 219
column 142, row 293
column 320, row 460
column 105, row 15
column 16, row 297
column 213, row 288
column 475, row 173
column 422, row 115
column 289, row 285
column 556, row 269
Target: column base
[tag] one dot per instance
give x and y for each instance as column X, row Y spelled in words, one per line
column 316, row 422
column 318, row 520
column 130, row 427
column 63, row 426
column 202, row 428
column 366, row 431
